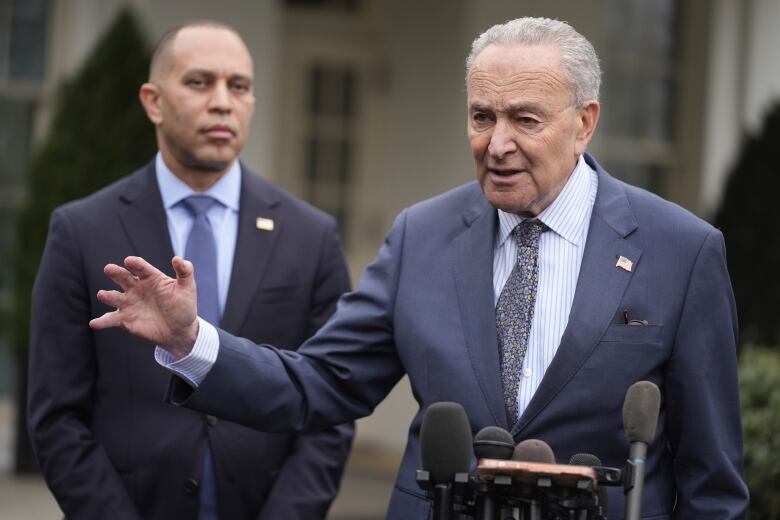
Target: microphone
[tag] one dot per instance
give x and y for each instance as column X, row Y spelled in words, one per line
column 494, row 443
column 534, row 450
column 445, row 448
column 592, row 461
column 640, row 418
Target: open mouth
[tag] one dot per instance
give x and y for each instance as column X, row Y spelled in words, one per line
column 504, row 172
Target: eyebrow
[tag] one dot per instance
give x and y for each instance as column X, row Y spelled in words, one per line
column 517, row 107
column 207, row 72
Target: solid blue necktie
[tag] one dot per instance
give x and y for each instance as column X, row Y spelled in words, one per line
column 201, row 250
column 515, row 311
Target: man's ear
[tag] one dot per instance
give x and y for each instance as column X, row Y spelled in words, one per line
column 149, row 94
column 588, row 119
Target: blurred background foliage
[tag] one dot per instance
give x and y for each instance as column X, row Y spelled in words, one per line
column 749, row 216
column 98, row 133
column 759, row 374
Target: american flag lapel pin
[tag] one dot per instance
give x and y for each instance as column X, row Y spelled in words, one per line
column 625, row 264
column 264, row 224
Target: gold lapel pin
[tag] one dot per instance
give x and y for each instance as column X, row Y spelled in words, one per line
column 264, row 224
column 625, row 264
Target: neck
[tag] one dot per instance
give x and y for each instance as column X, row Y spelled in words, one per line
column 199, row 179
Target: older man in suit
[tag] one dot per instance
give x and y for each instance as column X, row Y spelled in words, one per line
column 270, row 268
column 534, row 297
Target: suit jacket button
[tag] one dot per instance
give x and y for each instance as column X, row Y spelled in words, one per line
column 211, row 420
column 190, row 486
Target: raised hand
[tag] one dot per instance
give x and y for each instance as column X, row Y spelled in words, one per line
column 153, row 306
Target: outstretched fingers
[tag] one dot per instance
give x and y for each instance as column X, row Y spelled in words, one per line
column 108, row 320
column 120, row 276
column 112, row 298
column 141, row 268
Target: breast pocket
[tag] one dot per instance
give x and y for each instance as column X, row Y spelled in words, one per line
column 629, row 353
column 280, row 292
column 620, row 333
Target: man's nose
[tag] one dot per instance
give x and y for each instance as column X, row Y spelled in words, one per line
column 502, row 140
column 220, row 98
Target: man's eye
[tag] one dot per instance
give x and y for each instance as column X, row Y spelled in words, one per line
column 480, row 117
column 527, row 121
column 196, row 83
column 240, row 87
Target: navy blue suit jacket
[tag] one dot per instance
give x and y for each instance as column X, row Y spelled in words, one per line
column 108, row 444
column 425, row 307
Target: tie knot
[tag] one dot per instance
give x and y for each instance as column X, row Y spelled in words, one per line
column 198, row 204
column 529, row 230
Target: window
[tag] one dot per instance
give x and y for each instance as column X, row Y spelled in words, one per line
column 23, row 31
column 640, row 81
column 22, row 39
column 329, row 136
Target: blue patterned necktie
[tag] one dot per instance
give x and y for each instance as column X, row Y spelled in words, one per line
column 515, row 311
column 201, row 250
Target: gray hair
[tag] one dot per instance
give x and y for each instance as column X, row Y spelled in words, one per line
column 578, row 57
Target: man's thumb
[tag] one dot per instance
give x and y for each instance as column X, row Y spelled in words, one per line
column 183, row 268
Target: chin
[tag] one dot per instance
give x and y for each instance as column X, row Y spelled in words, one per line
column 507, row 202
column 215, row 162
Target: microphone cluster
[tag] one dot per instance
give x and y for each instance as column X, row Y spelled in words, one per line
column 523, row 481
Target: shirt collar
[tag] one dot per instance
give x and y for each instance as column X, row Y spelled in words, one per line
column 227, row 190
column 567, row 214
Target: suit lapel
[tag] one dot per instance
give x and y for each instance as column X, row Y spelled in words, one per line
column 600, row 288
column 473, row 271
column 253, row 248
column 144, row 221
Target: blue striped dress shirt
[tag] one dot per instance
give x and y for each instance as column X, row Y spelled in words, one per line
column 560, row 257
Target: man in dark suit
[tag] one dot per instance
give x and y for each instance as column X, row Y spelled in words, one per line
column 108, row 445
column 534, row 297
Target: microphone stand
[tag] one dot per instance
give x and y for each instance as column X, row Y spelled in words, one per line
column 442, row 502
column 635, row 480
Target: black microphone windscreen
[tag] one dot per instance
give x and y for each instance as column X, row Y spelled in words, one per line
column 590, row 460
column 493, row 442
column 584, row 459
column 640, row 411
column 445, row 441
column 534, row 450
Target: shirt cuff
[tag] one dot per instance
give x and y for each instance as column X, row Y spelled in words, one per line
column 195, row 366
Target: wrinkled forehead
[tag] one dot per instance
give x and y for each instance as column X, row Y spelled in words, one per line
column 504, row 74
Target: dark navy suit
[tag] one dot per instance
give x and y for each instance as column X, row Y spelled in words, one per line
column 108, row 445
column 425, row 307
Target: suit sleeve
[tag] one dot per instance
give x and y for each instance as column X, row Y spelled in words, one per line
column 340, row 374
column 702, row 394
column 62, row 375
column 310, row 477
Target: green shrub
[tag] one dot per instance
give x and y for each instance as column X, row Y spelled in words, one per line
column 759, row 375
column 748, row 216
column 97, row 134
